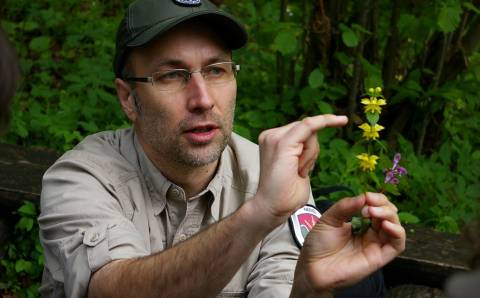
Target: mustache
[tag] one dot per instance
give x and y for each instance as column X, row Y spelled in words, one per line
column 209, row 117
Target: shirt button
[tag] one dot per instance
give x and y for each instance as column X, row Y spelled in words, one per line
column 94, row 237
column 182, row 237
column 175, row 192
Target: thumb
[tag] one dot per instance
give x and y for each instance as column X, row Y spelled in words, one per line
column 342, row 211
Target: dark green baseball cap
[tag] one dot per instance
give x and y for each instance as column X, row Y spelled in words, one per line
column 147, row 19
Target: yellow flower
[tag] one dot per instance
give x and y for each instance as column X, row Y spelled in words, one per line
column 371, row 132
column 373, row 104
column 367, row 162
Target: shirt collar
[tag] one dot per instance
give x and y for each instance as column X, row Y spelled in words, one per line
column 158, row 185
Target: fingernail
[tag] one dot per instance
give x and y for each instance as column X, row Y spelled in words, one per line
column 359, row 196
column 365, row 212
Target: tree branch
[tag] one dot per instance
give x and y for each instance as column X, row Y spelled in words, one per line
column 436, row 81
column 319, row 37
column 280, row 59
column 392, row 50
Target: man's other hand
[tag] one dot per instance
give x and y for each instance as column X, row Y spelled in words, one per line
column 332, row 257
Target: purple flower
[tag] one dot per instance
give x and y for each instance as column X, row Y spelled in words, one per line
column 393, row 174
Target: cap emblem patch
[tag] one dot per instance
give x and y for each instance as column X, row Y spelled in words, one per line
column 188, row 2
column 302, row 222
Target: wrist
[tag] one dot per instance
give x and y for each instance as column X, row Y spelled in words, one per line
column 303, row 286
column 260, row 216
column 265, row 213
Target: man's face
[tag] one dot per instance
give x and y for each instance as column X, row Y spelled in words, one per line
column 188, row 127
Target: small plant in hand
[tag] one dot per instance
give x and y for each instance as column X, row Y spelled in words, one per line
column 373, row 103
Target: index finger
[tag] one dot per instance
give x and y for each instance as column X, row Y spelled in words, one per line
column 310, row 125
column 327, row 120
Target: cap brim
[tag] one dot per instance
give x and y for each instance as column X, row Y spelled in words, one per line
column 229, row 29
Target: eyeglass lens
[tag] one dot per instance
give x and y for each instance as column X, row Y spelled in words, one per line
column 217, row 73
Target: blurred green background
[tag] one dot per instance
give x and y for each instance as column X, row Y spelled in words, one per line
column 303, row 58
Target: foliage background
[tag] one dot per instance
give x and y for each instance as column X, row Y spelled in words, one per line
column 304, row 57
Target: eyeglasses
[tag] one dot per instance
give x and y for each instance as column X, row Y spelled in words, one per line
column 176, row 79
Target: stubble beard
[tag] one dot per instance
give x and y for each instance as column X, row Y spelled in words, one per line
column 169, row 144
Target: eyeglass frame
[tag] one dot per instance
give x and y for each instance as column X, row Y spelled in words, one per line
column 188, row 74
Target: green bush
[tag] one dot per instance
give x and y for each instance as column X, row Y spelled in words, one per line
column 302, row 59
column 21, row 268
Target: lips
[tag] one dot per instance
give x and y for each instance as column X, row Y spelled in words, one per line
column 201, row 129
column 201, row 134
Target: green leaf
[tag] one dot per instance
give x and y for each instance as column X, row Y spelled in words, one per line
column 309, row 97
column 476, row 155
column 25, row 224
column 471, row 7
column 406, row 23
column 448, row 224
column 334, row 92
column 343, row 58
column 40, row 44
column 445, row 153
column 349, row 37
column 285, row 42
column 474, row 62
column 255, row 119
column 374, row 73
column 324, row 108
column 41, row 260
column 408, row 218
column 23, row 266
column 19, row 127
column 316, row 78
column 473, row 190
column 391, row 189
column 360, row 225
column 372, row 118
column 28, row 208
column 374, row 178
column 30, row 26
column 360, row 28
column 449, row 17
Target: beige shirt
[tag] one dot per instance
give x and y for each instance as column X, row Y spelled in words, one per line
column 104, row 200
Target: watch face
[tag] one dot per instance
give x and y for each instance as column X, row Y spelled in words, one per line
column 188, row 2
column 302, row 222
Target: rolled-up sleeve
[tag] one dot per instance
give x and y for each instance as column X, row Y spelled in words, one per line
column 84, row 224
column 273, row 273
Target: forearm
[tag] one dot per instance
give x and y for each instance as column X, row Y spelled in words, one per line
column 200, row 266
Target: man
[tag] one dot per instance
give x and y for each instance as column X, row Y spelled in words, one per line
column 179, row 206
column 8, row 78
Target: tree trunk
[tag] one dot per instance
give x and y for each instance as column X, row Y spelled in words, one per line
column 357, row 69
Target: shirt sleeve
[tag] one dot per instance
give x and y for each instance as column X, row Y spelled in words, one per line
column 84, row 225
column 272, row 275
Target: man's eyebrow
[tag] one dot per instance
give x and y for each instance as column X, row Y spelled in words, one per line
column 158, row 63
column 176, row 63
column 220, row 58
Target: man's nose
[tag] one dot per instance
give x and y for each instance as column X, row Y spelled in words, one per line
column 199, row 98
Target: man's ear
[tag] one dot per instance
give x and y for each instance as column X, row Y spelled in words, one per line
column 125, row 96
